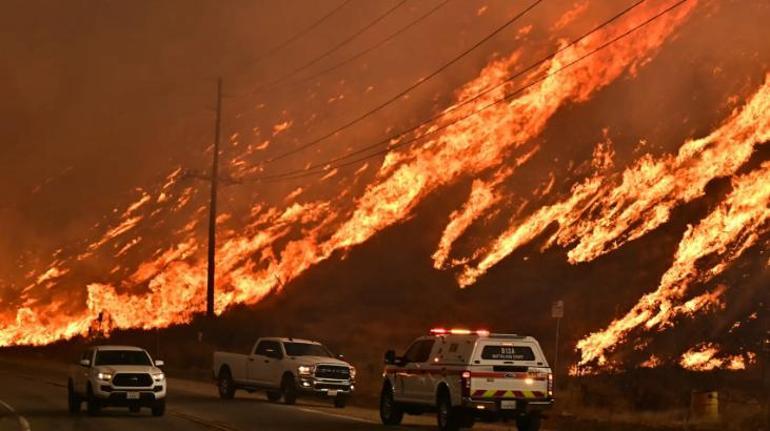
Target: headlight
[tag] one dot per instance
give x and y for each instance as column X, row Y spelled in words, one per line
column 158, row 377
column 305, row 370
column 104, row 376
column 352, row 373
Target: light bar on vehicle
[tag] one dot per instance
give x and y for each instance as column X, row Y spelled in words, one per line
column 459, row 331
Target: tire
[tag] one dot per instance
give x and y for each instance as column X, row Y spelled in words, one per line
column 288, row 390
column 93, row 405
column 448, row 418
column 226, row 385
column 391, row 413
column 340, row 401
column 528, row 422
column 73, row 399
column 159, row 408
column 273, row 396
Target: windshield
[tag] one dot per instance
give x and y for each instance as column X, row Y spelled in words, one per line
column 306, row 349
column 122, row 357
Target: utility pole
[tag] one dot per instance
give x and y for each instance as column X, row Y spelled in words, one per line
column 557, row 312
column 211, row 278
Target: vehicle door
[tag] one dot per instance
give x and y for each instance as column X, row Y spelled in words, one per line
column 432, row 372
column 268, row 363
column 82, row 372
column 254, row 364
column 415, row 365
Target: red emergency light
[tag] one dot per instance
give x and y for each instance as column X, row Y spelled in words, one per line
column 459, row 331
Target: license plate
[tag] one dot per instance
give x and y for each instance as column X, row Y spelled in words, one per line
column 508, row 404
column 132, row 395
column 332, row 393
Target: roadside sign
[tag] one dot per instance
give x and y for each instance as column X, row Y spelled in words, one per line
column 557, row 309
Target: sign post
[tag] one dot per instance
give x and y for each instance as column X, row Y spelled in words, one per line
column 557, row 312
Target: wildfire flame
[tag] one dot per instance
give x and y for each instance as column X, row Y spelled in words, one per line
column 601, row 213
column 706, row 357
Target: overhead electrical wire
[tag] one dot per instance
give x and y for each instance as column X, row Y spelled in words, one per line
column 407, row 90
column 331, row 50
column 475, row 97
column 270, row 52
column 370, row 48
column 327, row 165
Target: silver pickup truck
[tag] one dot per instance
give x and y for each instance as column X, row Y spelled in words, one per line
column 285, row 368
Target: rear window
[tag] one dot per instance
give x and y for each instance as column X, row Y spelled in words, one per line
column 507, row 353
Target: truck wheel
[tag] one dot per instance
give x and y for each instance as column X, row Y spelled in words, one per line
column 340, row 401
column 159, row 408
column 273, row 396
column 73, row 399
column 390, row 412
column 528, row 422
column 93, row 405
column 448, row 418
column 288, row 390
column 226, row 385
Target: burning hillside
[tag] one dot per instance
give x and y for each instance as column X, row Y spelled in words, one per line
column 533, row 144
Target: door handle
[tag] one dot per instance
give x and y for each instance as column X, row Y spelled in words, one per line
column 266, row 361
column 251, row 359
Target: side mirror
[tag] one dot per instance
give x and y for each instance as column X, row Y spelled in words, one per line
column 340, row 356
column 390, row 357
column 159, row 363
column 85, row 363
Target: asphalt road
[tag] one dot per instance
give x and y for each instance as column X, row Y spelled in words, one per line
column 33, row 398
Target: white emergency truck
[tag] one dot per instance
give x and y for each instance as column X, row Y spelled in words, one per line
column 465, row 375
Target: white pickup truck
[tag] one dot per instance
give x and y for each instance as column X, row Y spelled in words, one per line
column 285, row 368
column 117, row 376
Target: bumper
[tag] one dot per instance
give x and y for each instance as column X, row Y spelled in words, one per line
column 122, row 396
column 507, row 407
column 325, row 387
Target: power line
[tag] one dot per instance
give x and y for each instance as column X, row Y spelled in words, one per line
column 305, row 173
column 331, row 50
column 475, row 97
column 406, row 90
column 301, row 33
column 371, row 48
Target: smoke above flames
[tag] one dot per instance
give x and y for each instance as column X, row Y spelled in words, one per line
column 126, row 277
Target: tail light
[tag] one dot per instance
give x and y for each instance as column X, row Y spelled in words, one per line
column 550, row 385
column 465, row 383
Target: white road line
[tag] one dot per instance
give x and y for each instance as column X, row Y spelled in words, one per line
column 22, row 420
column 334, row 415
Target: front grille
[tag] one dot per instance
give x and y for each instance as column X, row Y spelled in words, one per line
column 332, row 372
column 332, row 387
column 132, row 380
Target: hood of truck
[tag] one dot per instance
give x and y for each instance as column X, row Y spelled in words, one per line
column 117, row 369
column 318, row 360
